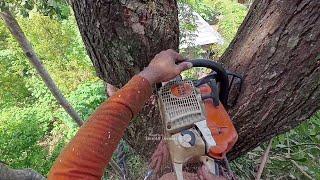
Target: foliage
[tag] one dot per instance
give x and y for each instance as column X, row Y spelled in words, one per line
column 33, row 128
column 52, row 8
column 26, row 136
column 226, row 15
column 206, row 11
column 20, row 133
column 299, row 146
column 230, row 15
column 188, row 26
column 59, row 45
column 85, row 99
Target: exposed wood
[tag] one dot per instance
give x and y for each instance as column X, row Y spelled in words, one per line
column 277, row 49
column 242, row 1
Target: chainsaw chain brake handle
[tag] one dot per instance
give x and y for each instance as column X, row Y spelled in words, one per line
column 221, row 76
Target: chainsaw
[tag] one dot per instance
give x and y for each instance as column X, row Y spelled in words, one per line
column 196, row 123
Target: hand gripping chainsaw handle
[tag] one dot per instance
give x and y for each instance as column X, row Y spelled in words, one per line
column 196, row 123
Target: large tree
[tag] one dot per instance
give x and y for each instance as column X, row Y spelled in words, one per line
column 121, row 38
column 277, row 50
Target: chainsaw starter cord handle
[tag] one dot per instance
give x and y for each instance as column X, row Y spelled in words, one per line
column 222, row 76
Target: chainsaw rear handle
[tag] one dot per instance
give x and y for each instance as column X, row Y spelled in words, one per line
column 222, row 76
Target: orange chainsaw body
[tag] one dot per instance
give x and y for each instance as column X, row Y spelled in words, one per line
column 220, row 125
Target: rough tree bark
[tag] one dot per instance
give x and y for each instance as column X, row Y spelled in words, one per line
column 242, row 1
column 7, row 173
column 276, row 49
column 121, row 37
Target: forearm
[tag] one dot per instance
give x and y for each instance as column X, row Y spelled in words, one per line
column 91, row 149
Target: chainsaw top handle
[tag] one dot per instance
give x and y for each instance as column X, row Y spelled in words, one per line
column 222, row 76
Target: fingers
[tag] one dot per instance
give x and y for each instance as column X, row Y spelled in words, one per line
column 165, row 153
column 111, row 90
column 184, row 66
column 158, row 165
column 176, row 56
column 159, row 157
column 204, row 174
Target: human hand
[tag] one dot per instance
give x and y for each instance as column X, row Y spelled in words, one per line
column 163, row 67
column 204, row 174
column 159, row 157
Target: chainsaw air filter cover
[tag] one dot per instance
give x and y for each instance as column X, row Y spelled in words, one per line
column 180, row 105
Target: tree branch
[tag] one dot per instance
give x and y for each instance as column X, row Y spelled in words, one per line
column 263, row 161
column 300, row 169
column 23, row 174
column 18, row 34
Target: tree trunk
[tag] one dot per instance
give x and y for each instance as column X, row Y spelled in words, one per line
column 277, row 49
column 121, row 38
column 242, row 1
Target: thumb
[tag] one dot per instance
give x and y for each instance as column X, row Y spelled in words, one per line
column 184, row 66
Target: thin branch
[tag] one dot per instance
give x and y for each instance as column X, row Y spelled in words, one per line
column 263, row 161
column 18, row 34
column 302, row 144
column 300, row 169
column 286, row 158
column 277, row 149
column 116, row 168
column 288, row 144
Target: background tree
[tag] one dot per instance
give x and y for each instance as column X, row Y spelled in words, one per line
column 121, row 37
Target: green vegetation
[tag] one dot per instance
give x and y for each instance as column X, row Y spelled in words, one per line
column 300, row 146
column 230, row 15
column 34, row 129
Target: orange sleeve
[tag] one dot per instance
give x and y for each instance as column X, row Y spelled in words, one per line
column 88, row 153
